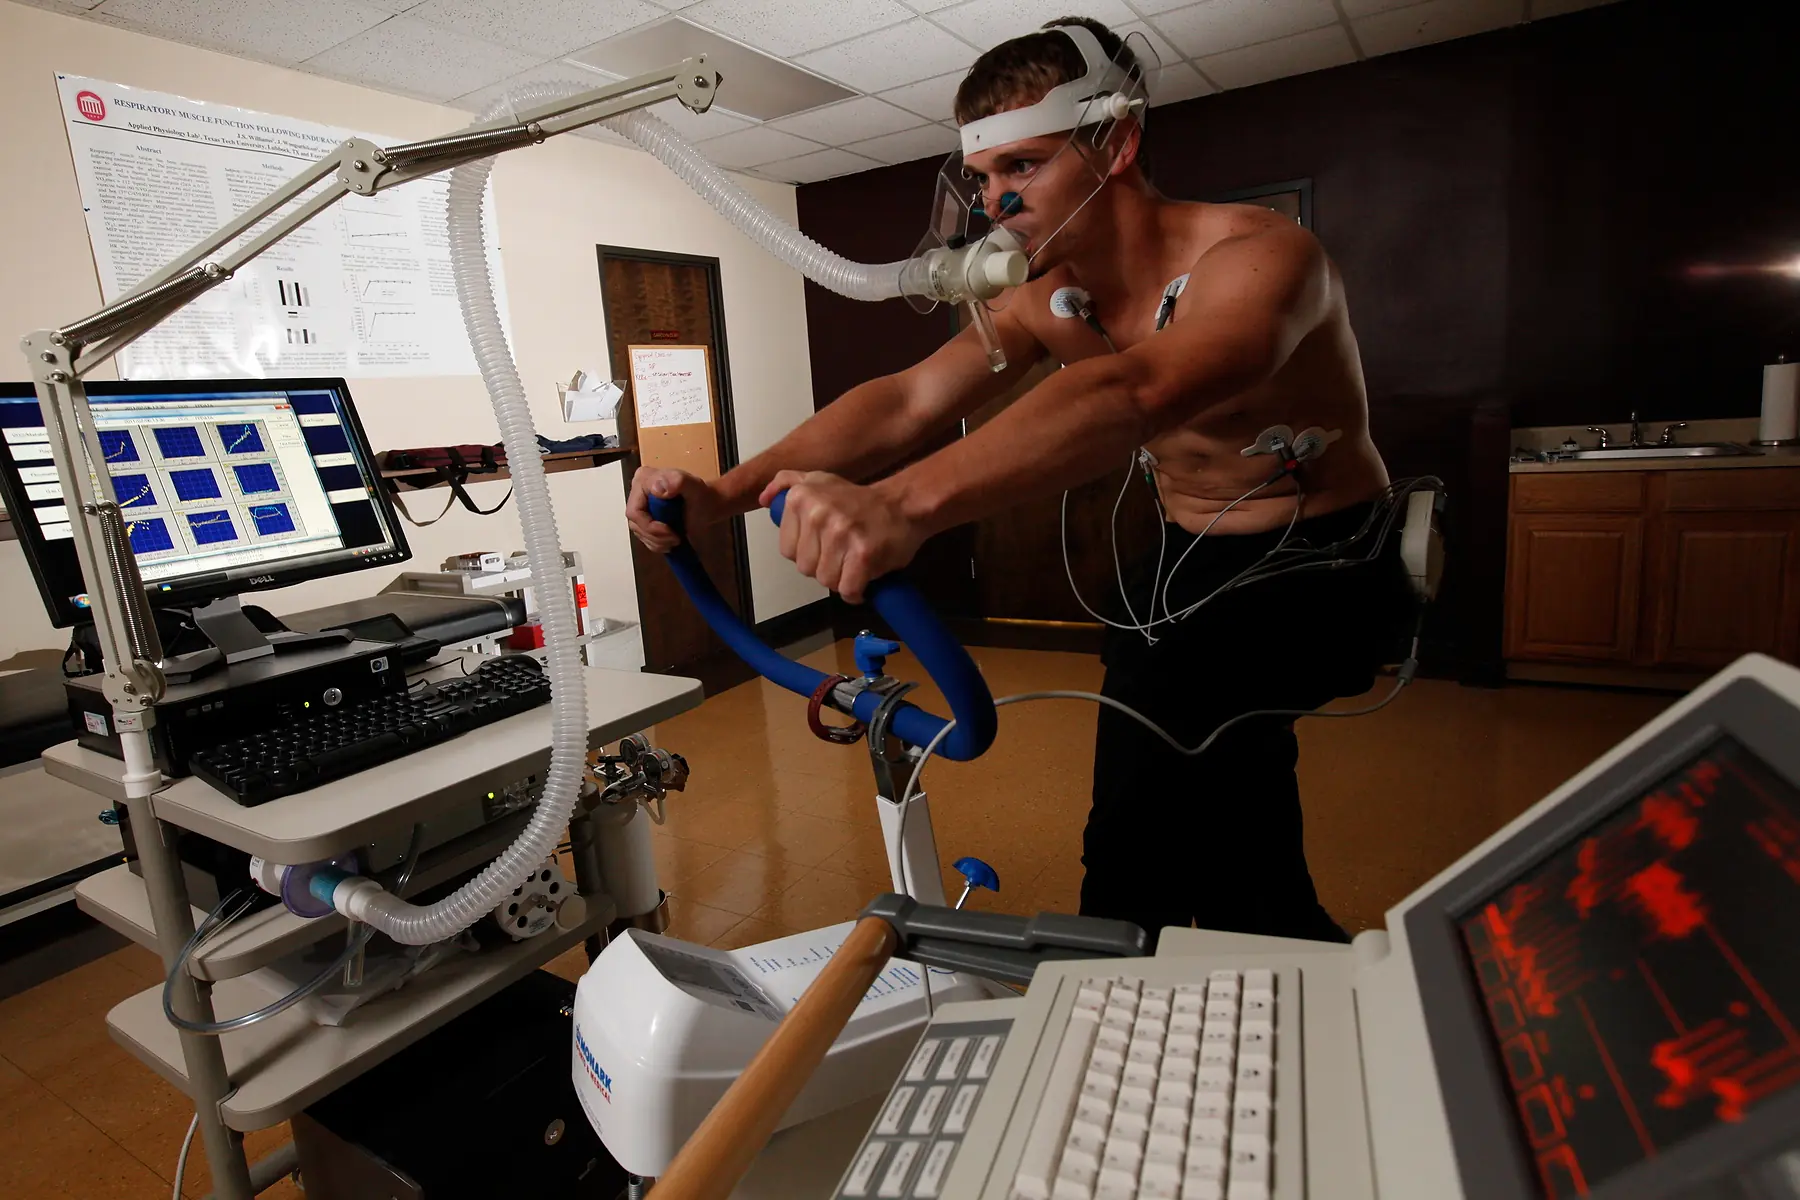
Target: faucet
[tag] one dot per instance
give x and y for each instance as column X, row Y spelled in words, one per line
column 1605, row 437
column 1668, row 433
column 1636, row 434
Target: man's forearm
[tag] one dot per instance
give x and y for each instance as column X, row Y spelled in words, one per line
column 1073, row 427
column 865, row 430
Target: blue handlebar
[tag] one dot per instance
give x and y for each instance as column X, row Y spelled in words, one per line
column 948, row 664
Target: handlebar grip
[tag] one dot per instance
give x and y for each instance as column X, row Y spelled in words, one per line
column 905, row 611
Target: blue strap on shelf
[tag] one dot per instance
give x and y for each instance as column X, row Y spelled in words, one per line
column 905, row 611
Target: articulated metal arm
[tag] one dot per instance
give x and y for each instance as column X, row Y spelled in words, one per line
column 61, row 357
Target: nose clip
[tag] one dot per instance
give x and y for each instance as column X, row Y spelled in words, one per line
column 1011, row 203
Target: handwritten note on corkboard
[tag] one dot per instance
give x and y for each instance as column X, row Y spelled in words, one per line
column 671, row 393
column 672, row 384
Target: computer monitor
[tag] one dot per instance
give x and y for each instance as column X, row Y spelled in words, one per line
column 1613, row 996
column 226, row 486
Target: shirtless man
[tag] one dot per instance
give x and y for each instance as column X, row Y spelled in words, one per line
column 1259, row 336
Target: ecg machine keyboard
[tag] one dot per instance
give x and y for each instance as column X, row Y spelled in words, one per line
column 1162, row 1091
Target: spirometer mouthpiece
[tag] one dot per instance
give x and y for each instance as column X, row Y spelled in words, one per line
column 980, row 270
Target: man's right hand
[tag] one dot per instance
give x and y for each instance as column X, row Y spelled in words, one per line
column 703, row 505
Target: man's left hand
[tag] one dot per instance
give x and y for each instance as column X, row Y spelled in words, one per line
column 842, row 534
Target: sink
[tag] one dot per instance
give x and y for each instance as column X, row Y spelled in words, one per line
column 1698, row 450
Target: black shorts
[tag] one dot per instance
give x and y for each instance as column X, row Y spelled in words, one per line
column 1217, row 840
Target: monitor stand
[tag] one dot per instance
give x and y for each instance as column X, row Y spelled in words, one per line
column 236, row 639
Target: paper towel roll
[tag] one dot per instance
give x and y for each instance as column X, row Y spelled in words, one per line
column 1780, row 403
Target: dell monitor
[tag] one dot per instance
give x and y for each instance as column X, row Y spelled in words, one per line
column 225, row 486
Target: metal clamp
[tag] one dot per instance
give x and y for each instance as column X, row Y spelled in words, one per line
column 892, row 692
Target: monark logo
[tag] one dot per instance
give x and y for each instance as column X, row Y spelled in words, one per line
column 601, row 1079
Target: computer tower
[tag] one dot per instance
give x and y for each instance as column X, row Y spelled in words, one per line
column 483, row 1107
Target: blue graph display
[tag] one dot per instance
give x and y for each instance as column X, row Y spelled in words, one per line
column 211, row 528
column 149, row 535
column 179, row 441
column 117, row 445
column 257, row 477
column 134, row 490
column 272, row 519
column 195, row 485
column 240, row 439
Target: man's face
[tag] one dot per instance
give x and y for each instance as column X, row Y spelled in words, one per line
column 1052, row 178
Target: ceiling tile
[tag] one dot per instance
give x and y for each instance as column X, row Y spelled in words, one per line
column 755, row 146
column 697, row 127
column 478, row 100
column 853, row 120
column 933, row 99
column 72, row 8
column 1314, row 51
column 926, row 6
column 903, row 54
column 1215, row 26
column 1151, row 8
column 929, row 141
column 543, row 26
column 1172, row 85
column 753, row 83
column 1555, row 8
column 396, row 6
column 1364, row 8
column 271, row 30
column 1434, row 21
column 412, row 56
column 1166, row 55
column 789, row 27
column 821, row 164
column 987, row 23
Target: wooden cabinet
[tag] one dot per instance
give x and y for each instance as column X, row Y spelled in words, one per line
column 1671, row 570
column 1727, row 584
column 1572, row 587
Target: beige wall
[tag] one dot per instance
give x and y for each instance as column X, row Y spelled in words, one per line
column 556, row 203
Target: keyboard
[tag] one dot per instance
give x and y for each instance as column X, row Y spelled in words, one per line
column 1160, row 1091
column 341, row 741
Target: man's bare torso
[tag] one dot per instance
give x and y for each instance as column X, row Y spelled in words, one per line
column 1198, row 465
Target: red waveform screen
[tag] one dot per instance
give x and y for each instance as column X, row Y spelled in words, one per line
column 1642, row 983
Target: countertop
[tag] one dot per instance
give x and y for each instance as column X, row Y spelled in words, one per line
column 1739, row 430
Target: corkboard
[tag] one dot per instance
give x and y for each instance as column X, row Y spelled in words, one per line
column 691, row 447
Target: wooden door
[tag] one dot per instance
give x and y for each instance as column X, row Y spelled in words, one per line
column 653, row 298
column 1573, row 586
column 1019, row 572
column 1725, row 584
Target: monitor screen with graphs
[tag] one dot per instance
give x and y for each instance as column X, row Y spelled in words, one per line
column 225, row 486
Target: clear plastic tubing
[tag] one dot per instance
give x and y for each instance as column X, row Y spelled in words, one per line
column 414, row 925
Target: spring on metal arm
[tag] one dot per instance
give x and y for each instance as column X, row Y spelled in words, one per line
column 140, row 628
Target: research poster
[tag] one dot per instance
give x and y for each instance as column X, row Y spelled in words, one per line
column 364, row 289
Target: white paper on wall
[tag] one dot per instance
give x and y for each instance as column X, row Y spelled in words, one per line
column 364, row 289
column 670, row 385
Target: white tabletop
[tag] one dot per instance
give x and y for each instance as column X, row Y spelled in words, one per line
column 349, row 812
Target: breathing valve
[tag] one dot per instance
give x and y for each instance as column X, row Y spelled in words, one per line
column 640, row 769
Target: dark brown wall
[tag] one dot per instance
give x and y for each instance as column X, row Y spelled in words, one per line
column 1513, row 215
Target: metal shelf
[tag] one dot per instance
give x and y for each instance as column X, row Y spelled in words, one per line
column 118, row 899
column 354, row 811
column 285, row 1063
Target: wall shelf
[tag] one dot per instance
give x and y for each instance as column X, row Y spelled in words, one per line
column 554, row 464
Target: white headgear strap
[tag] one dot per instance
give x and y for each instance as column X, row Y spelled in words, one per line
column 1102, row 94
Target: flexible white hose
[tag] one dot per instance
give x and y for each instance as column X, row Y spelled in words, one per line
column 408, row 923
column 858, row 281
column 414, row 925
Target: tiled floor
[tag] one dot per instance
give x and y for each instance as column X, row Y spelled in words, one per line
column 778, row 834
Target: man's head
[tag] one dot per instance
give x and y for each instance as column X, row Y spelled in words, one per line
column 1036, row 170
